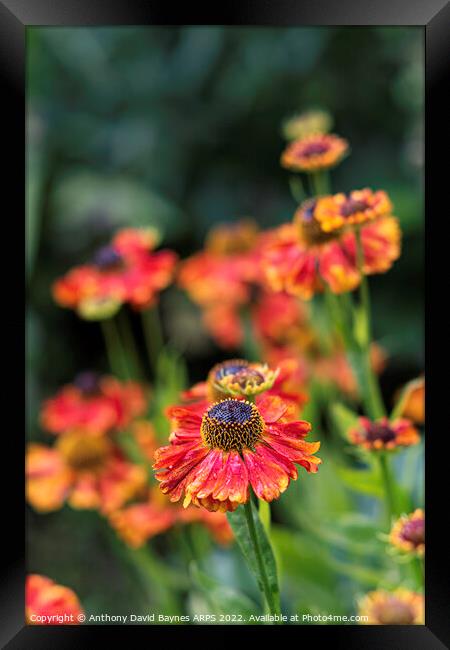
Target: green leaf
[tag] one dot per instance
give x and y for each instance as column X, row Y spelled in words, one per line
column 222, row 599
column 360, row 326
column 343, row 419
column 363, row 481
column 238, row 522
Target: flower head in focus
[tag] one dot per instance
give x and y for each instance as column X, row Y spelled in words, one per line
column 357, row 207
column 89, row 472
column 125, row 271
column 241, row 378
column 314, row 153
column 300, row 258
column 384, row 435
column 47, row 603
column 408, row 533
column 238, row 377
column 216, row 454
column 399, row 607
column 93, row 403
column 305, row 124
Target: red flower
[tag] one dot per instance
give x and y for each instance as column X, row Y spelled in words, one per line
column 126, row 271
column 47, row 603
column 279, row 319
column 215, row 455
column 300, row 258
column 95, row 404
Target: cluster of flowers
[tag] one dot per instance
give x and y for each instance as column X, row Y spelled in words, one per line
column 240, row 430
column 87, row 468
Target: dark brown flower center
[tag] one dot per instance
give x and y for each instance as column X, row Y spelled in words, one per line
column 310, row 229
column 229, row 368
column 314, row 149
column 107, row 259
column 414, row 531
column 83, row 452
column 248, row 377
column 88, row 382
column 351, row 206
column 232, row 425
column 396, row 612
column 379, row 432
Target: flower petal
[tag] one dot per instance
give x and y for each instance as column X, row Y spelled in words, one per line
column 232, row 479
column 267, row 478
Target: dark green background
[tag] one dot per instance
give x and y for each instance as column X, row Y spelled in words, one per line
column 180, row 127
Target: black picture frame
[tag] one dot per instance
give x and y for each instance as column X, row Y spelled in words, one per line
column 15, row 17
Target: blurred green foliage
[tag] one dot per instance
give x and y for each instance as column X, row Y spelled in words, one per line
column 181, row 128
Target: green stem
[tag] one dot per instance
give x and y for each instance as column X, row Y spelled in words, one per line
column 151, row 326
column 250, row 345
column 271, row 600
column 264, row 515
column 116, row 354
column 156, row 578
column 152, row 572
column 128, row 444
column 319, row 182
column 130, row 343
column 297, row 189
column 371, row 388
column 389, row 488
column 417, row 567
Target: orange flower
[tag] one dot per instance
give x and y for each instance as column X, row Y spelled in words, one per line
column 47, row 603
column 413, row 401
column 279, row 318
column 293, row 375
column 145, row 437
column 126, row 271
column 95, row 404
column 300, row 258
column 219, row 278
column 231, row 239
column 408, row 533
column 400, row 607
column 314, row 152
column 211, row 280
column 357, row 207
column 139, row 522
column 223, row 322
column 215, row 455
column 383, row 434
column 88, row 472
column 215, row 522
